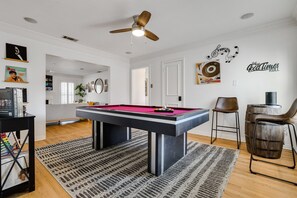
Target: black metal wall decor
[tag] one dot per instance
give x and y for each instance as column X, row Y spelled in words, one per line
column 222, row 51
column 265, row 66
column 16, row 52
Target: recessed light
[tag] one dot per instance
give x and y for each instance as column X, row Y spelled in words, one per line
column 81, row 68
column 247, row 16
column 128, row 52
column 30, row 20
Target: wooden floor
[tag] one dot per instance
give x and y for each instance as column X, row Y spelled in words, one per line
column 241, row 182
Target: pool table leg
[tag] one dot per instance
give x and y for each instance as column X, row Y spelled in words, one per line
column 106, row 135
column 164, row 151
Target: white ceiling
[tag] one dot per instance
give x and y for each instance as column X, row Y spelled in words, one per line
column 176, row 22
column 58, row 65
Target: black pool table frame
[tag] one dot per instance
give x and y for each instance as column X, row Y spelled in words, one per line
column 167, row 134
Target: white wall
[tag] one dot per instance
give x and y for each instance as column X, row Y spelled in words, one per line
column 54, row 96
column 62, row 112
column 138, row 86
column 93, row 96
column 38, row 45
column 273, row 45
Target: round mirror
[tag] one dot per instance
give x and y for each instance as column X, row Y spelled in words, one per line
column 99, row 85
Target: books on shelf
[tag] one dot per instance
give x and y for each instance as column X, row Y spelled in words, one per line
column 5, row 144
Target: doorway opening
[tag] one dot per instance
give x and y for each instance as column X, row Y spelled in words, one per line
column 140, row 90
column 73, row 83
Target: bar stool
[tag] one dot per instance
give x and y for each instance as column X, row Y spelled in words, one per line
column 289, row 119
column 226, row 105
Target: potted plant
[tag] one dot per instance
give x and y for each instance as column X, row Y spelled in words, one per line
column 80, row 91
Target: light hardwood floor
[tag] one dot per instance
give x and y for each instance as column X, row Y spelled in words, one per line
column 241, row 183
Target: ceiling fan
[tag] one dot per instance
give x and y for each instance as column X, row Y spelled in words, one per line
column 138, row 27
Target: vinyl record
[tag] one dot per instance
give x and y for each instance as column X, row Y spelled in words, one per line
column 211, row 69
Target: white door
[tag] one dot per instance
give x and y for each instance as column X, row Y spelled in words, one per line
column 173, row 83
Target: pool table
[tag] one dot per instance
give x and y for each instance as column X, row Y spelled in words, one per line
column 167, row 131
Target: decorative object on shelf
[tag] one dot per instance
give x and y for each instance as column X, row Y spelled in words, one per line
column 265, row 66
column 92, row 86
column 5, row 145
column 105, row 85
column 208, row 72
column 16, row 53
column 24, row 90
column 223, row 50
column 49, row 83
column 15, row 74
column 80, row 91
column 99, row 85
column 89, row 87
column 25, row 95
column 271, row 98
column 11, row 102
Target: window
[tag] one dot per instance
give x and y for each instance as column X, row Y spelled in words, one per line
column 67, row 92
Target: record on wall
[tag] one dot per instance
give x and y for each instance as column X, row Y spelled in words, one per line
column 208, row 72
column 211, row 69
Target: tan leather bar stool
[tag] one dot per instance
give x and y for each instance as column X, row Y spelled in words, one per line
column 289, row 119
column 226, row 105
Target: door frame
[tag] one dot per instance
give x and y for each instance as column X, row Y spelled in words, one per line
column 148, row 83
column 182, row 59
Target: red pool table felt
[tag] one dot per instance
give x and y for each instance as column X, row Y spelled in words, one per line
column 143, row 109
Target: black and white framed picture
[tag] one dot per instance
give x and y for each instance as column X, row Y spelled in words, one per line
column 16, row 52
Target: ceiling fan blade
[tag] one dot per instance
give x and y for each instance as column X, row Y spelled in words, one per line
column 151, row 35
column 121, row 30
column 143, row 18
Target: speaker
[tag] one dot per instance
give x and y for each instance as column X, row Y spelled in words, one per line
column 271, row 98
column 25, row 95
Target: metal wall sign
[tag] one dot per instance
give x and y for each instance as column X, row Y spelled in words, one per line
column 265, row 66
column 224, row 51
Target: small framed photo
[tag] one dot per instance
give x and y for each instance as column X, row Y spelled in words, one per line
column 16, row 52
column 15, row 74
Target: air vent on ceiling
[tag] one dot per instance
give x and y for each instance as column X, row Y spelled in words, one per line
column 69, row 38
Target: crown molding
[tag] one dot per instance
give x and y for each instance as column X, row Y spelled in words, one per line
column 41, row 37
column 287, row 22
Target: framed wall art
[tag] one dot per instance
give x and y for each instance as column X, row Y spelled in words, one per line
column 16, row 53
column 208, row 72
column 15, row 74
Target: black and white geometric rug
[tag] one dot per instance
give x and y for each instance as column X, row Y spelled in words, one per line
column 121, row 171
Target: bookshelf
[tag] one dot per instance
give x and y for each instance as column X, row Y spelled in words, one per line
column 17, row 165
column 49, row 83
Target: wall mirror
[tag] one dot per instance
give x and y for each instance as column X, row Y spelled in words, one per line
column 99, row 85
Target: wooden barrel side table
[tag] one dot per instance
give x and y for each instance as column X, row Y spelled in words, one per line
column 269, row 136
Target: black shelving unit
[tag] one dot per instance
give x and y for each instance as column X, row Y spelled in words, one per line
column 15, row 126
column 48, row 83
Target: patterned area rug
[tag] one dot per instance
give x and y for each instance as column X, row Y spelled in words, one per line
column 121, row 171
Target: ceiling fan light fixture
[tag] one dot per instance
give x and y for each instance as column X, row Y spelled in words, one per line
column 138, row 31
